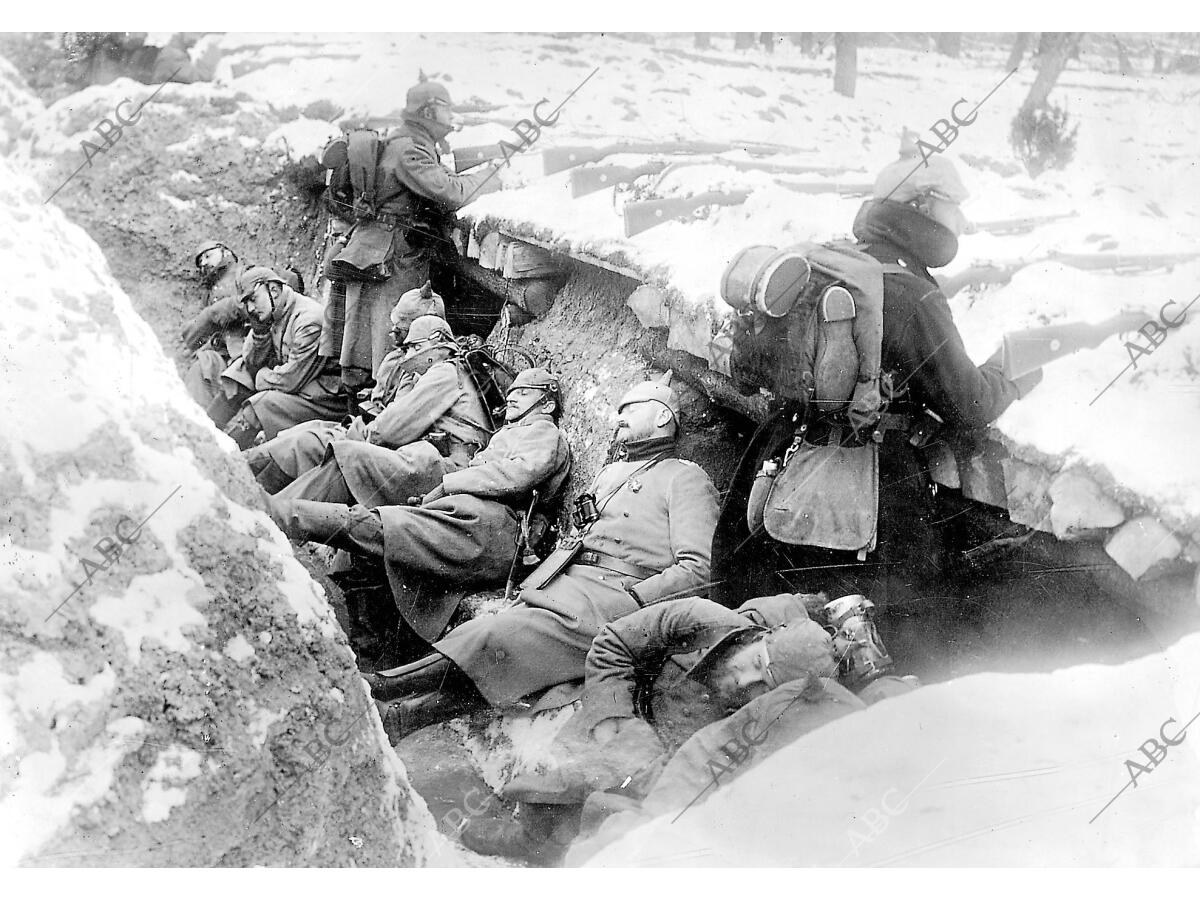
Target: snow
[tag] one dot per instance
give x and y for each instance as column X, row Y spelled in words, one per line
column 997, row 770
column 1130, row 186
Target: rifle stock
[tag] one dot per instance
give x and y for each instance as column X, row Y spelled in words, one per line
column 645, row 215
column 1093, row 262
column 597, row 178
column 1018, row 226
column 470, row 157
column 1028, row 350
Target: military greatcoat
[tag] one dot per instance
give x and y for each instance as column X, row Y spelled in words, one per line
column 658, row 520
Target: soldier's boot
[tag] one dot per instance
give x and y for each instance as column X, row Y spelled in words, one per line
column 371, row 613
column 430, row 673
column 272, row 478
column 310, row 520
column 404, row 717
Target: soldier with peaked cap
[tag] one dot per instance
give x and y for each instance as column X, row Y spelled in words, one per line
column 653, row 679
column 642, row 536
column 435, row 427
column 280, row 461
column 413, row 194
column 910, row 226
column 217, row 332
column 465, row 530
column 280, row 374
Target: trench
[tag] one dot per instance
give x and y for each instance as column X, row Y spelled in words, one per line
column 1039, row 607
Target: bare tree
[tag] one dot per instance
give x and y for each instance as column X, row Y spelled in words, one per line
column 948, row 43
column 1126, row 68
column 1020, row 45
column 743, row 40
column 806, row 43
column 845, row 66
column 767, row 39
column 1053, row 52
column 703, row 40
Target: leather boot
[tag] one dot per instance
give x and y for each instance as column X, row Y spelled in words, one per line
column 311, row 520
column 404, row 717
column 244, row 427
column 430, row 674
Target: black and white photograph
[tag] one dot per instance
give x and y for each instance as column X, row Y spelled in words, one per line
column 556, row 449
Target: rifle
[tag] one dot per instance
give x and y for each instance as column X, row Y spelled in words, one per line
column 522, row 545
column 559, row 159
column 1025, row 351
column 470, row 157
column 644, row 215
column 1126, row 263
column 1017, row 226
column 596, row 178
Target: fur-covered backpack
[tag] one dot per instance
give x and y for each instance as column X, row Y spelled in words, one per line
column 811, row 331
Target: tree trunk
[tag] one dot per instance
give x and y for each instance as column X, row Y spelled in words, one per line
column 1020, row 45
column 703, row 40
column 806, row 43
column 767, row 39
column 1053, row 54
column 948, row 43
column 845, row 67
column 743, row 40
column 1125, row 68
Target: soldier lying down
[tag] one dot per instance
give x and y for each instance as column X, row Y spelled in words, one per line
column 685, row 694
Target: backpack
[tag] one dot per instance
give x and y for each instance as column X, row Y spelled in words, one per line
column 353, row 159
column 492, row 378
column 818, row 342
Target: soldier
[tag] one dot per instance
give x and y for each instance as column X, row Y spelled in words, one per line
column 467, row 529
column 641, row 536
column 280, row 371
column 217, row 333
column 393, row 229
column 680, row 666
column 434, row 428
column 280, row 461
column 913, row 224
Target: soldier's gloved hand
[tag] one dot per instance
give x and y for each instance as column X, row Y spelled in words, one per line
column 1028, row 382
column 608, row 729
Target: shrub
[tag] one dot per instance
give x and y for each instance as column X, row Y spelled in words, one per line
column 1043, row 138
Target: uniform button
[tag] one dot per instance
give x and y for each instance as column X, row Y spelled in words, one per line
column 625, row 514
column 618, row 540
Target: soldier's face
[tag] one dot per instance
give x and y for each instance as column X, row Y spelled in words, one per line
column 639, row 421
column 211, row 263
column 740, row 675
column 258, row 305
column 519, row 401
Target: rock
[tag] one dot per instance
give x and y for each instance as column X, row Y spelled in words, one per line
column 649, row 304
column 1140, row 544
column 489, row 248
column 981, row 471
column 1080, row 509
column 1027, row 493
column 174, row 689
column 527, row 261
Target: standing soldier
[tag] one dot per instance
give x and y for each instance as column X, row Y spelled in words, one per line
column 280, row 375
column 389, row 247
column 911, row 226
column 642, row 535
column 217, row 333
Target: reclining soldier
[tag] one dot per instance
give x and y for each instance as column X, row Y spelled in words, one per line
column 280, row 461
column 656, row 677
column 466, row 529
column 642, row 535
column 434, row 428
column 216, row 334
column 280, row 378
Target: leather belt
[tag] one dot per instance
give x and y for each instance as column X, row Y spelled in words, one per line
column 612, row 563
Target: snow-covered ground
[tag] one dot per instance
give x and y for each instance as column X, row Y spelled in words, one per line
column 1130, row 188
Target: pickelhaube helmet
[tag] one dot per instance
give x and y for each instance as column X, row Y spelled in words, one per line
column 427, row 327
column 423, row 93
column 537, row 377
column 419, row 302
column 210, row 244
column 252, row 277
column 659, row 391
